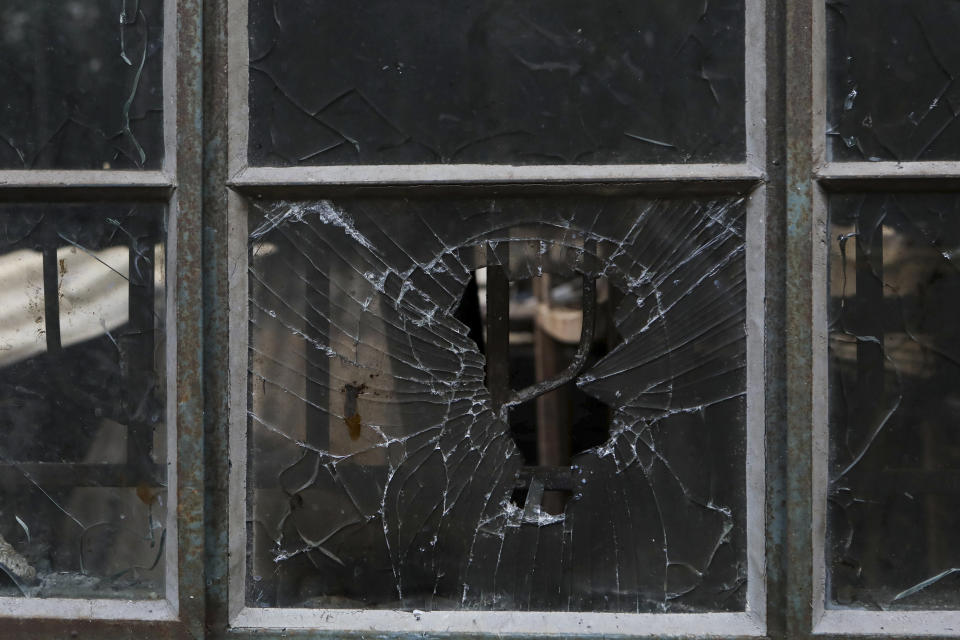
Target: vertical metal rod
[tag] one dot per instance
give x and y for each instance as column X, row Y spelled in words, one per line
column 802, row 227
column 186, row 206
column 553, row 415
column 498, row 326
column 553, row 428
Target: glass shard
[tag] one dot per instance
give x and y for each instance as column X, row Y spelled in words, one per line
column 384, row 471
column 894, row 489
column 541, row 82
column 83, row 497
column 81, row 84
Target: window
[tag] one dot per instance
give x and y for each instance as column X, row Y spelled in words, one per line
column 514, row 319
column 101, row 345
column 873, row 231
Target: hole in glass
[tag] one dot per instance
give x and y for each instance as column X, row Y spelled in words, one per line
column 533, row 335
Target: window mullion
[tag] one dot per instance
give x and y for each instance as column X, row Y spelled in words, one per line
column 803, row 575
column 185, row 396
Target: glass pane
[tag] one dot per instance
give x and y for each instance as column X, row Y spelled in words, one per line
column 894, row 79
column 400, row 455
column 80, row 84
column 894, row 492
column 538, row 82
column 82, row 460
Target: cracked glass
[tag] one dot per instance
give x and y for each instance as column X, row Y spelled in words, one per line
column 558, row 82
column 894, row 363
column 81, row 84
column 405, row 454
column 82, row 456
column 893, row 80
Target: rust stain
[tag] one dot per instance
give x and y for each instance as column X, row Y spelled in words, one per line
column 147, row 494
column 354, row 424
column 63, row 267
column 351, row 415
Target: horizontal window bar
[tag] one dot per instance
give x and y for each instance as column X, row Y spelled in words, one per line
column 494, row 174
column 58, row 185
column 896, row 624
column 836, row 172
column 53, row 178
column 503, row 622
column 99, row 609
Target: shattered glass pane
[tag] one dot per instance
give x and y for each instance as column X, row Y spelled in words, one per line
column 537, row 82
column 384, row 469
column 82, row 459
column 80, row 84
column 893, row 80
column 894, row 490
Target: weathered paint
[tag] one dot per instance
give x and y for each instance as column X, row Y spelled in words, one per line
column 216, row 316
column 188, row 198
column 799, row 203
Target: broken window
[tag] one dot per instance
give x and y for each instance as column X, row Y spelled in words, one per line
column 82, row 459
column 490, row 318
column 894, row 397
column 385, row 469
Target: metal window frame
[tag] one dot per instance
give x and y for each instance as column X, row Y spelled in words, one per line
column 180, row 612
column 810, row 179
column 229, row 182
column 790, row 300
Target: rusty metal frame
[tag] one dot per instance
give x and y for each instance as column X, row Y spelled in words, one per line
column 798, row 553
column 180, row 614
column 786, row 171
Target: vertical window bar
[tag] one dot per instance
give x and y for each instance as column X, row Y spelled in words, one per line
column 801, row 387
column 498, row 324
